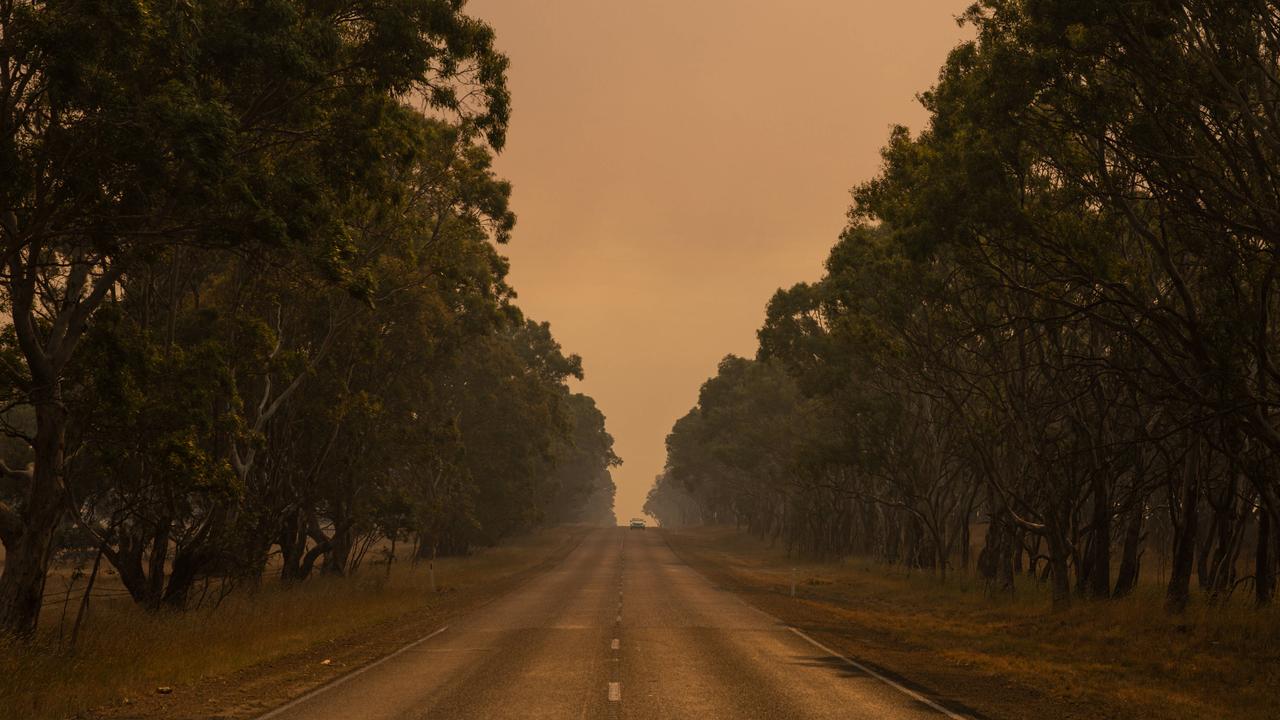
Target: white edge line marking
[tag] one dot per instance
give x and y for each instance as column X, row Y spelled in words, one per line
column 886, row 680
column 344, row 678
column 852, row 663
column 615, row 692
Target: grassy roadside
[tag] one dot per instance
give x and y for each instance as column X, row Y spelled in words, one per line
column 1010, row 657
column 277, row 640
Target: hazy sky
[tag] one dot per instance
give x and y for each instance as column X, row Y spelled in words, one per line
column 676, row 161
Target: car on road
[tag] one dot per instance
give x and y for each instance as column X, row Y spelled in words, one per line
column 637, row 524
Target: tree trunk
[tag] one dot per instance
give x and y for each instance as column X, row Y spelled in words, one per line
column 293, row 548
column 995, row 561
column 1082, row 559
column 127, row 561
column 335, row 562
column 1178, row 592
column 1264, row 573
column 159, row 554
column 1227, row 521
column 1202, row 551
column 1059, row 570
column 431, row 567
column 27, row 560
column 1100, row 567
column 1008, row 546
column 1131, row 555
column 187, row 565
column 83, row 612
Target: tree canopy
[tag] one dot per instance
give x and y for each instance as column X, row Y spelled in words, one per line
column 256, row 315
column 1050, row 318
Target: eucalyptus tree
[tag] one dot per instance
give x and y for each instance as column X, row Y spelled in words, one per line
column 1156, row 118
column 671, row 504
column 128, row 129
column 1058, row 300
column 320, row 424
column 581, row 488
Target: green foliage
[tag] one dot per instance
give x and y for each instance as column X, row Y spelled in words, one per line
column 1052, row 313
column 255, row 299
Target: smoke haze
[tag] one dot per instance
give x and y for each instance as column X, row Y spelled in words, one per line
column 675, row 162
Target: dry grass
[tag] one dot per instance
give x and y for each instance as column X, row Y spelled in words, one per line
column 125, row 652
column 1122, row 658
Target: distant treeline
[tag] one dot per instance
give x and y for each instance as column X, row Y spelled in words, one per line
column 1052, row 317
column 254, row 316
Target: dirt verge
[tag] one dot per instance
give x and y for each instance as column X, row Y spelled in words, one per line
column 255, row 690
column 895, row 638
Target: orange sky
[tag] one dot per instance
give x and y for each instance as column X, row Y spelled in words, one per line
column 676, row 161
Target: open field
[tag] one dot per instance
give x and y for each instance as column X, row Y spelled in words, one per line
column 255, row 649
column 1009, row 657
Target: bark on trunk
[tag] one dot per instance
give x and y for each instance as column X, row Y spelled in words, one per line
column 1100, row 567
column 1178, row 592
column 187, row 566
column 293, row 546
column 1131, row 555
column 1264, row 572
column 1059, row 570
column 1009, row 545
column 335, row 562
column 27, row 560
column 127, row 561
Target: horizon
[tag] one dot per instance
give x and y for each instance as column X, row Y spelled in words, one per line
column 654, row 259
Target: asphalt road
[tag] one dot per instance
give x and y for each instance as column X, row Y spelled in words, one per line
column 621, row 629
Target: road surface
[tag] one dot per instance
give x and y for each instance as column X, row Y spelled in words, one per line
column 621, row 629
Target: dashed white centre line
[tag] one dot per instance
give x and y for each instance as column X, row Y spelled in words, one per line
column 615, row 644
column 615, row 692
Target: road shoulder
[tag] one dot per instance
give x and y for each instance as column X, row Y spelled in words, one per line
column 924, row 667
column 259, row 688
